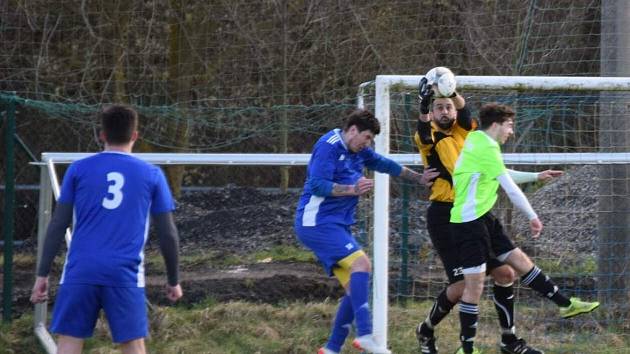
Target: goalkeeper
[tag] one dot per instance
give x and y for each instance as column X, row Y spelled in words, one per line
column 326, row 211
column 440, row 138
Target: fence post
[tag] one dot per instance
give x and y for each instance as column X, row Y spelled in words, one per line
column 9, row 206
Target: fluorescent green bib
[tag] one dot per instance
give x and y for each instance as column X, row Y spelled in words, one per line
column 475, row 177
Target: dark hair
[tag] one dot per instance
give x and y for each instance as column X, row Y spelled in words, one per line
column 363, row 120
column 433, row 99
column 494, row 113
column 118, row 123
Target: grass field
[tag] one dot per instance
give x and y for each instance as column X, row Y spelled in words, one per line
column 213, row 327
column 240, row 328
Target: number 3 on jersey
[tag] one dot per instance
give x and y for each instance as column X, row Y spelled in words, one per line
column 114, row 190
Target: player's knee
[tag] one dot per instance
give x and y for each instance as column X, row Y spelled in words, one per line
column 69, row 344
column 135, row 346
column 361, row 264
column 454, row 291
column 503, row 275
column 519, row 261
column 473, row 287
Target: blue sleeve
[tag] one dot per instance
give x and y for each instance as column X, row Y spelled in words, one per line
column 320, row 187
column 321, row 169
column 66, row 196
column 162, row 199
column 380, row 163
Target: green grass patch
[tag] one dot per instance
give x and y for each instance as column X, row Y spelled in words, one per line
column 239, row 327
column 24, row 260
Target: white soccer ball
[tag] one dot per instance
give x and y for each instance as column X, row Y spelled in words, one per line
column 443, row 80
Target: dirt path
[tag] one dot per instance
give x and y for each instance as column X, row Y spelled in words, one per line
column 266, row 282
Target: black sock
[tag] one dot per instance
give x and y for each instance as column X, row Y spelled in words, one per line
column 468, row 315
column 538, row 281
column 504, row 304
column 425, row 330
column 441, row 307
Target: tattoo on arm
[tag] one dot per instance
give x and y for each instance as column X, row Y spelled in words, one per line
column 410, row 175
column 343, row 189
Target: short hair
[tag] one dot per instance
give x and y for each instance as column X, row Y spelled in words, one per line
column 494, row 113
column 363, row 120
column 118, row 123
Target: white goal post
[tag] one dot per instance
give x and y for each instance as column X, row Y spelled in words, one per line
column 49, row 183
column 383, row 85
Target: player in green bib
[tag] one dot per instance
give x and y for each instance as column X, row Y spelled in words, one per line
column 475, row 177
column 479, row 236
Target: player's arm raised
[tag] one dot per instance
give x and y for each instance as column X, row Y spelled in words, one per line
column 520, row 177
column 383, row 164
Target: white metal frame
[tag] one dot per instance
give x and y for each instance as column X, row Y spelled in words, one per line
column 384, row 83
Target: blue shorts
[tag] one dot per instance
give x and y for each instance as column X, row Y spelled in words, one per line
column 330, row 243
column 77, row 308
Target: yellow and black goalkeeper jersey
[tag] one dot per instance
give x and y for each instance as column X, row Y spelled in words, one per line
column 439, row 149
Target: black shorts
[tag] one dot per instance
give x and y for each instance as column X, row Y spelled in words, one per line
column 480, row 241
column 438, row 225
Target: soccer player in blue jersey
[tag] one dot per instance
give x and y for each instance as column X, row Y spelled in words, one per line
column 326, row 211
column 111, row 196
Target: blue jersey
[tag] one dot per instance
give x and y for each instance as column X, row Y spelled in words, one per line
column 331, row 162
column 112, row 195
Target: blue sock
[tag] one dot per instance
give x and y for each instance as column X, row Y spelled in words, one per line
column 342, row 325
column 359, row 282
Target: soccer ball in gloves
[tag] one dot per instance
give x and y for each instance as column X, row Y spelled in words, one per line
column 442, row 80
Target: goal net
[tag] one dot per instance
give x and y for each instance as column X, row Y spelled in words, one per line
column 576, row 124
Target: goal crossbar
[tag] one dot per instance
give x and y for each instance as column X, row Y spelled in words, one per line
column 569, row 158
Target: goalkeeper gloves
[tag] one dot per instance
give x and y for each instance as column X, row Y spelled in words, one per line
column 426, row 93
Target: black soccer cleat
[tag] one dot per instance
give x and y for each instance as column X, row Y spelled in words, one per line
column 427, row 344
column 519, row 346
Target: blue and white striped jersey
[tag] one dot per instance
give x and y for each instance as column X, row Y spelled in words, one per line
column 332, row 162
column 112, row 195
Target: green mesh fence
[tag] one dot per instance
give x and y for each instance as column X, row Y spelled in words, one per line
column 50, row 126
column 260, row 76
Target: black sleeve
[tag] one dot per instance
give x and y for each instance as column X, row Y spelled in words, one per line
column 61, row 219
column 464, row 118
column 424, row 132
column 169, row 245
